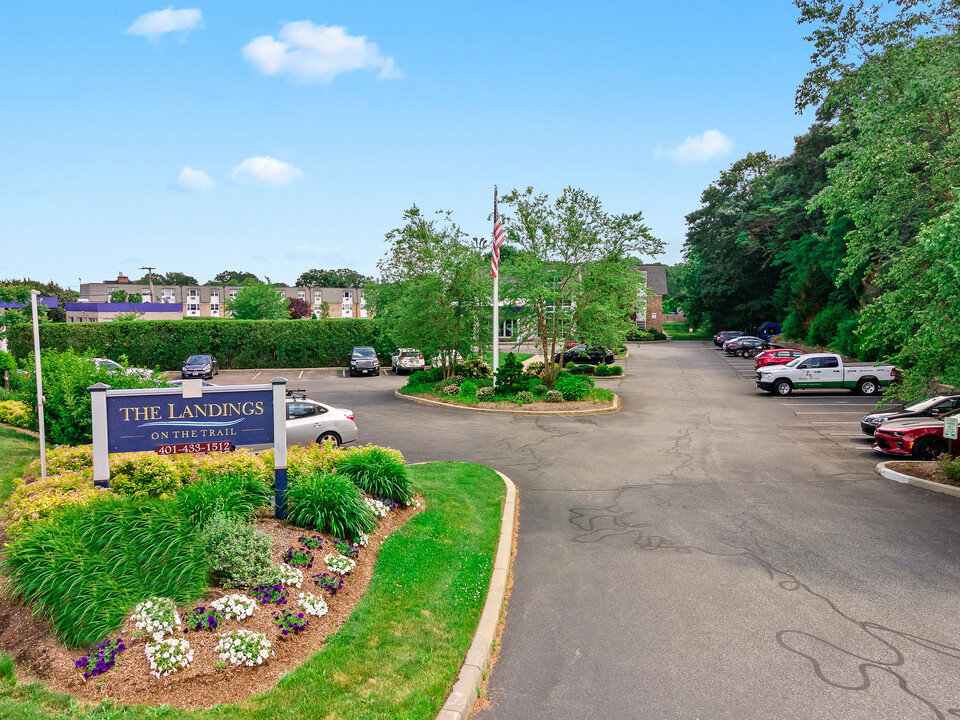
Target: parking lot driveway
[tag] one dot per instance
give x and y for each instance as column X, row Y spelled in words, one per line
column 707, row 552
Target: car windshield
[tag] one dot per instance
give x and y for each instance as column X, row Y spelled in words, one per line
column 794, row 362
column 198, row 359
column 921, row 403
column 364, row 351
column 410, row 353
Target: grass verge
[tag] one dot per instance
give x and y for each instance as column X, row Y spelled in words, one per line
column 681, row 331
column 399, row 652
column 16, row 452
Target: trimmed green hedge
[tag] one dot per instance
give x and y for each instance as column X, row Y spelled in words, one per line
column 165, row 344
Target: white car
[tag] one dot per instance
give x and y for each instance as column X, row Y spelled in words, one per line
column 311, row 421
column 113, row 366
column 407, row 360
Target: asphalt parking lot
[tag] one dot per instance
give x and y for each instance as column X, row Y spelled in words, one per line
column 710, row 551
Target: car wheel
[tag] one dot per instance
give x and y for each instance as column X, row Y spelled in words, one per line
column 868, row 387
column 783, row 387
column 328, row 437
column 928, row 448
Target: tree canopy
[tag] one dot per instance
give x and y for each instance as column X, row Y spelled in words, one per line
column 258, row 301
column 233, row 277
column 170, row 278
column 344, row 277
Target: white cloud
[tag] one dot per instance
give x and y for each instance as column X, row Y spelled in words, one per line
column 316, row 52
column 159, row 22
column 699, row 148
column 266, row 170
column 196, row 180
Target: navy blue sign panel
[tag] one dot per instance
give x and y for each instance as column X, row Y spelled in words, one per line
column 147, row 421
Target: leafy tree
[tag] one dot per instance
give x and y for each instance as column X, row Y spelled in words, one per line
column 258, row 301
column 572, row 272
column 122, row 296
column 435, row 292
column 299, row 309
column 233, row 277
column 324, row 310
column 344, row 277
column 49, row 289
column 170, row 278
column 23, row 315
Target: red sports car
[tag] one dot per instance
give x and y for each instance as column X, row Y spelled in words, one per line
column 776, row 356
column 917, row 438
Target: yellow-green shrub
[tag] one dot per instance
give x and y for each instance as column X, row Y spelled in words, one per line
column 217, row 465
column 146, row 474
column 17, row 413
column 30, row 502
column 69, row 459
column 305, row 460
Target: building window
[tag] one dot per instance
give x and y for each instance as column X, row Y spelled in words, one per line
column 507, row 328
column 302, row 294
column 193, row 302
column 347, row 307
column 168, row 295
column 214, row 303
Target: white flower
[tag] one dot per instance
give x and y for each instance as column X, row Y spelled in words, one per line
column 363, row 540
column 339, row 564
column 312, row 605
column 289, row 575
column 379, row 509
column 168, row 656
column 243, row 647
column 235, row 606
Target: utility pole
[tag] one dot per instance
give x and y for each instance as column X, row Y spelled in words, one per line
column 150, row 279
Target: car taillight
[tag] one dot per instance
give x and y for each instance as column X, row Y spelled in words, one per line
column 350, row 415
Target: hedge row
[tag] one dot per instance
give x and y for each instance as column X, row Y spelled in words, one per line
column 165, row 344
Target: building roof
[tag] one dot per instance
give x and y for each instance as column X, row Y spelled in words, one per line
column 656, row 277
column 124, row 307
column 50, row 302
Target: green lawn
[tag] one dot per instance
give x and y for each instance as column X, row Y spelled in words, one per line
column 399, row 652
column 681, row 331
column 16, row 452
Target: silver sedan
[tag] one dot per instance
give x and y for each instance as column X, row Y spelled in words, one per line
column 311, row 421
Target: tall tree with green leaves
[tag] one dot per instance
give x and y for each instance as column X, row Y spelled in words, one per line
column 575, row 272
column 258, row 301
column 435, row 289
column 342, row 278
column 233, row 277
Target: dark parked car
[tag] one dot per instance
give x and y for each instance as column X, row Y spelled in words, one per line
column 721, row 337
column 200, row 366
column 585, row 354
column 923, row 407
column 363, row 361
column 745, row 347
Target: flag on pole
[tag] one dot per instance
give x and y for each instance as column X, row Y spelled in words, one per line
column 497, row 238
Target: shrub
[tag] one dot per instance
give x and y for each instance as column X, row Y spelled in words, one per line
column 238, row 554
column 146, row 474
column 450, row 389
column 7, row 362
column 87, row 566
column 656, row 334
column 235, row 494
column 607, row 370
column 35, row 501
column 452, row 381
column 486, row 393
column 468, row 389
column 18, row 414
column 825, row 327
column 329, row 503
column 510, row 375
column 422, row 378
column 951, row 468
column 304, row 460
column 553, row 396
column 538, row 389
column 378, row 471
column 638, row 335
column 240, row 462
column 534, row 369
column 474, row 369
column 572, row 388
column 68, row 459
column 580, row 369
column 523, row 397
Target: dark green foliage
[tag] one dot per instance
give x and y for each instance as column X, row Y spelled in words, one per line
column 342, row 278
column 468, row 388
column 825, row 328
column 573, row 388
column 378, row 471
column 238, row 554
column 951, row 467
column 657, row 335
column 329, row 503
column 235, row 494
column 607, row 370
column 510, row 377
column 7, row 668
column 7, row 363
column 424, row 378
column 88, row 566
column 236, row 343
column 538, row 389
column 580, row 369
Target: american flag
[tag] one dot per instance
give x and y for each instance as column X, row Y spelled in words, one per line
column 497, row 237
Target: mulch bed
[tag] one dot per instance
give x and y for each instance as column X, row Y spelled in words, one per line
column 206, row 681
column 924, row 470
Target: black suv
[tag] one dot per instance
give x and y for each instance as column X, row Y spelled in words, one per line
column 363, row 361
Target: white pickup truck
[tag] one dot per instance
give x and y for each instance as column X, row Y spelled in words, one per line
column 824, row 370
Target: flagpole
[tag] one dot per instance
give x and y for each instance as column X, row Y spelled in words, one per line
column 496, row 307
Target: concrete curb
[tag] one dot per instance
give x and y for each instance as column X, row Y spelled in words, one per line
column 899, row 477
column 463, row 696
column 496, row 411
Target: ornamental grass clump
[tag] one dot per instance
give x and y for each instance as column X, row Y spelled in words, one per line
column 238, row 554
column 329, row 503
column 156, row 617
column 85, row 567
column 378, row 471
column 287, row 622
column 168, row 656
column 234, row 493
column 105, row 658
column 244, row 647
column 235, row 606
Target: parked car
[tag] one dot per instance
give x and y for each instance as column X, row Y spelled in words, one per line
column 920, row 438
column 776, row 356
column 364, row 361
column 179, row 383
column 311, row 421
column 113, row 366
column 824, row 370
column 407, row 360
column 585, row 354
column 200, row 366
column 737, row 340
column 935, row 406
column 721, row 337
column 745, row 347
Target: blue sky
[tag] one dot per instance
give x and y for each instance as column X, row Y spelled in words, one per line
column 278, row 137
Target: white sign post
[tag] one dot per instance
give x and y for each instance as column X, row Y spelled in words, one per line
column 34, row 294
column 950, row 430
